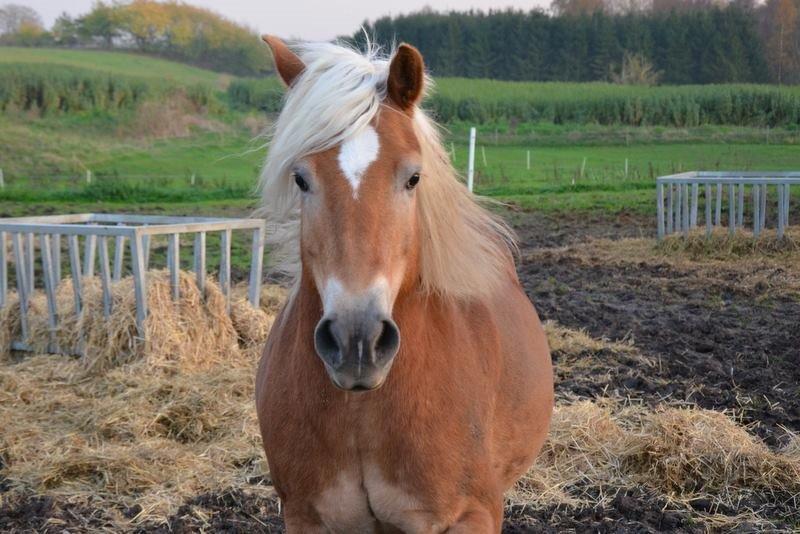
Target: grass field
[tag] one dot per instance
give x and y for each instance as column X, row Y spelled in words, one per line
column 134, row 160
column 48, row 159
column 114, row 63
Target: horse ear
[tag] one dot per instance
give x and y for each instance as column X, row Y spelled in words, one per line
column 406, row 77
column 287, row 63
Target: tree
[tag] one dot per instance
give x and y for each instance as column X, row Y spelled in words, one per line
column 782, row 40
column 15, row 19
column 102, row 23
column 576, row 7
column 65, row 31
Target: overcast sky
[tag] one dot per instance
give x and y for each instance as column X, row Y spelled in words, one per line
column 305, row 19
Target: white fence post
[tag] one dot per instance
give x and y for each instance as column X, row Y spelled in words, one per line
column 2, row 180
column 471, row 165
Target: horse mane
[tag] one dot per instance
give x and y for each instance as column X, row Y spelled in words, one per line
column 466, row 251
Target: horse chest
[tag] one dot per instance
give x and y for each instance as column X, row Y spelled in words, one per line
column 361, row 501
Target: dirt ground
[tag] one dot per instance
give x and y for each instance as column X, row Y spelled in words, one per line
column 718, row 335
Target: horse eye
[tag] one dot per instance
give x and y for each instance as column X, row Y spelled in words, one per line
column 301, row 183
column 413, row 181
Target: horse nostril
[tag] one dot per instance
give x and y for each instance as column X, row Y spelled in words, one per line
column 389, row 340
column 326, row 343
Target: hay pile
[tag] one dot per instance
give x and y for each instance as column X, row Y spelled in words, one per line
column 721, row 244
column 596, row 449
column 137, row 437
column 194, row 332
column 139, row 426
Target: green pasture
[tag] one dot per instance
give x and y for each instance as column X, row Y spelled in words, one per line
column 50, row 165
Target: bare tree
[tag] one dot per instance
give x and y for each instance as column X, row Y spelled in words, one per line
column 636, row 69
column 783, row 34
column 576, row 7
column 14, row 17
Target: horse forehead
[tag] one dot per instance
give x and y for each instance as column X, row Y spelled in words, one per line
column 356, row 153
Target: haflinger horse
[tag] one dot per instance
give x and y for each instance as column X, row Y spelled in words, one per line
column 407, row 382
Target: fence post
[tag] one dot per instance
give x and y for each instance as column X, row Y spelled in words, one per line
column 740, row 211
column 659, row 209
column 105, row 275
column 529, row 159
column 55, row 248
column 756, row 210
column 471, row 164
column 256, row 266
column 88, row 176
column 670, row 207
column 28, row 265
column 139, row 281
column 200, row 261
column 3, row 271
column 173, row 263
column 22, row 283
column 119, row 257
column 708, row 210
column 786, row 196
column 90, row 245
column 225, row 267
column 781, row 206
column 678, row 204
column 731, row 208
column 2, row 180
column 50, row 291
column 695, row 187
column 686, row 209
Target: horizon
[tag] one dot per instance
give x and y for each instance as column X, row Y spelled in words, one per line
column 290, row 19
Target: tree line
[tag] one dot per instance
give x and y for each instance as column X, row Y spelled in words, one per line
column 168, row 29
column 623, row 41
column 682, row 41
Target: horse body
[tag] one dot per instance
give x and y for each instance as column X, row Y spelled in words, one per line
column 407, row 383
column 459, row 419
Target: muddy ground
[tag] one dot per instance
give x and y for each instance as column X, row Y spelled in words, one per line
column 709, row 343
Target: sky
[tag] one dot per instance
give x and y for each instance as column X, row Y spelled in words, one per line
column 303, row 19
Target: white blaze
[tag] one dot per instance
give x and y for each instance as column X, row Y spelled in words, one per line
column 356, row 154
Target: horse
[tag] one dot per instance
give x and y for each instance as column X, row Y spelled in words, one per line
column 407, row 382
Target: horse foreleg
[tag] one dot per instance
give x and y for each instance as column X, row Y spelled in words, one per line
column 299, row 523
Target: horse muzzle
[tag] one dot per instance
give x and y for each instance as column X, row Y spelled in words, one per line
column 357, row 348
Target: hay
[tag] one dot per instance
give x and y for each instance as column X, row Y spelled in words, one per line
column 194, row 332
column 132, row 423
column 597, row 449
column 722, row 245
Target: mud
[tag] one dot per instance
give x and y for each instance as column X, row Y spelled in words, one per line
column 713, row 342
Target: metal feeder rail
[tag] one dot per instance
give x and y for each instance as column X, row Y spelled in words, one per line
column 97, row 229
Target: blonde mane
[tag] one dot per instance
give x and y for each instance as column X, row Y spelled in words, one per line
column 465, row 250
